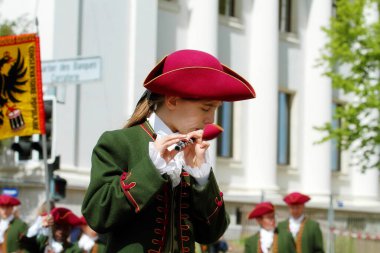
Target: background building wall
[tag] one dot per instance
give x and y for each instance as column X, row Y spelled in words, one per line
column 131, row 36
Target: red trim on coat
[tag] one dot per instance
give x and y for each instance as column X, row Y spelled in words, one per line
column 126, row 187
column 218, row 203
column 152, row 135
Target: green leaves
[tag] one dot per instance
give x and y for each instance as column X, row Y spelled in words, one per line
column 18, row 26
column 351, row 59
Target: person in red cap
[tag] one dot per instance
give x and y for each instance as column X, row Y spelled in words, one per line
column 90, row 241
column 144, row 193
column 62, row 220
column 268, row 238
column 306, row 232
column 12, row 228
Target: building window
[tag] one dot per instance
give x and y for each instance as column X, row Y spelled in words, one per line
column 225, row 120
column 283, row 127
column 336, row 152
column 287, row 16
column 169, row 5
column 230, row 8
column 238, row 214
column 227, row 8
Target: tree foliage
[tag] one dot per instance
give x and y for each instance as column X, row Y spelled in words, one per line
column 20, row 25
column 352, row 61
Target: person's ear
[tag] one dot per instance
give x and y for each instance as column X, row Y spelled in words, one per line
column 259, row 220
column 171, row 102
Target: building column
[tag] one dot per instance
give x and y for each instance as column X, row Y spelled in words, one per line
column 260, row 125
column 141, row 48
column 316, row 99
column 202, row 34
column 365, row 185
column 202, row 30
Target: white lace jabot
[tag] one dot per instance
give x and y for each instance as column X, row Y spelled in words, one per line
column 266, row 239
column 295, row 224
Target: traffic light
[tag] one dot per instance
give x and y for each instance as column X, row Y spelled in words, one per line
column 50, row 115
column 25, row 145
column 57, row 188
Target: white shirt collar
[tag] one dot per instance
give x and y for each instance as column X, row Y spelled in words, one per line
column 295, row 224
column 266, row 239
column 158, row 125
column 298, row 220
column 4, row 223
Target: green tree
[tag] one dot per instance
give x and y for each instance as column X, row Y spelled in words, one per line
column 20, row 25
column 352, row 61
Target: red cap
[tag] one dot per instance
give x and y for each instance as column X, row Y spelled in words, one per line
column 296, row 198
column 65, row 216
column 261, row 209
column 6, row 200
column 198, row 75
column 83, row 220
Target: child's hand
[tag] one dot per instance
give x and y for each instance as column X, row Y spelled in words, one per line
column 47, row 221
column 195, row 153
column 162, row 145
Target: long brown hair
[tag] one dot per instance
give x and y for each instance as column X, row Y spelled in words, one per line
column 147, row 104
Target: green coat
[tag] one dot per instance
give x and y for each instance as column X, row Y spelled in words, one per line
column 14, row 234
column 138, row 208
column 37, row 244
column 285, row 243
column 99, row 247
column 311, row 237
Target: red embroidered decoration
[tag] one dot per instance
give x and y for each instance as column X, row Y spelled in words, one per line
column 126, row 187
column 218, row 203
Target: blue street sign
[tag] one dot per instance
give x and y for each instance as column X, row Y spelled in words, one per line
column 10, row 191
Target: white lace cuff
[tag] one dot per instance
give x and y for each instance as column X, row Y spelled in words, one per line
column 172, row 169
column 200, row 174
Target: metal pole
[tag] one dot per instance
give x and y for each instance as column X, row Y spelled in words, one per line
column 47, row 183
column 44, row 155
column 330, row 241
column 78, row 87
column 262, row 195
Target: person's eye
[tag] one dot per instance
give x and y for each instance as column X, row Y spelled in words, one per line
column 205, row 109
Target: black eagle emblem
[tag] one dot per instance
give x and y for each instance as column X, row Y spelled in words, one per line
column 11, row 83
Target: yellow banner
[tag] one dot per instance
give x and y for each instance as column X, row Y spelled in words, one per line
column 21, row 101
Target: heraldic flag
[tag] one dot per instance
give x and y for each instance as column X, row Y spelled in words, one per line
column 21, row 101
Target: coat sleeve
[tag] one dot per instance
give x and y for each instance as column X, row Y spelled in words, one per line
column 250, row 244
column 318, row 239
column 118, row 187
column 210, row 217
column 291, row 243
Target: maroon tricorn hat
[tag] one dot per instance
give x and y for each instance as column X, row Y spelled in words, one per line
column 6, row 200
column 261, row 209
column 63, row 216
column 296, row 198
column 197, row 75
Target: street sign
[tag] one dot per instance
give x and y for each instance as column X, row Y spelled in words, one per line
column 71, row 71
column 10, row 191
